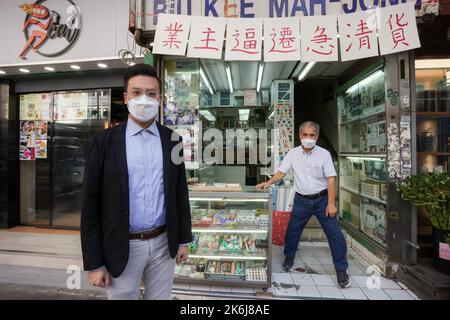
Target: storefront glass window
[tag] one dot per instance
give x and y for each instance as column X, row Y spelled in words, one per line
column 54, row 137
column 362, row 137
column 433, row 119
column 195, row 104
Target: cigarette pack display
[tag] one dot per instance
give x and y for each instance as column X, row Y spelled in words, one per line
column 193, row 246
column 225, row 270
column 249, row 244
column 261, row 243
column 256, row 274
column 246, row 218
column 208, row 243
column 231, row 244
column 230, row 230
column 202, row 218
column 224, row 219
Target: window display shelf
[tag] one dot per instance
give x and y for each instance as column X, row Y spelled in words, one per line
column 365, row 116
column 373, row 198
column 231, row 239
column 363, row 195
column 363, row 155
column 350, row 190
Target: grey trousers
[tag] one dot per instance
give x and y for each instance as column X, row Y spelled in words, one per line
column 149, row 261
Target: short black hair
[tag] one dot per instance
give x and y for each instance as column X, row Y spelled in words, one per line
column 140, row 69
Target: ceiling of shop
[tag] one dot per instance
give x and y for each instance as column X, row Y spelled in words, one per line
column 245, row 73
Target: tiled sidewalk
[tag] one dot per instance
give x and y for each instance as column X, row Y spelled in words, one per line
column 317, row 278
column 34, row 252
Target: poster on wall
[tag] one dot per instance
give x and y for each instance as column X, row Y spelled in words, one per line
column 36, row 106
column 374, row 221
column 27, row 140
column 41, row 128
column 41, row 149
column 181, row 93
column 30, row 107
column 284, row 119
column 71, row 106
column 373, row 134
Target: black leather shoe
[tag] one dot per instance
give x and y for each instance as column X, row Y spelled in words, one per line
column 288, row 264
column 343, row 279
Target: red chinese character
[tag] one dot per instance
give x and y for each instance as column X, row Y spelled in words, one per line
column 173, row 35
column 250, row 41
column 321, row 38
column 362, row 34
column 398, row 34
column 286, row 40
column 208, row 39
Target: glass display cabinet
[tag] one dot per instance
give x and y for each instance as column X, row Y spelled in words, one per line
column 362, row 155
column 433, row 119
column 232, row 239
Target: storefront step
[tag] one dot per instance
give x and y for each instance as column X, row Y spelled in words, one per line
column 425, row 281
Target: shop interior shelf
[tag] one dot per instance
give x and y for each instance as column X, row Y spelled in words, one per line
column 364, row 116
column 350, row 190
column 220, row 257
column 363, row 155
column 246, row 283
column 218, row 230
column 433, row 153
column 432, row 114
column 364, row 195
column 373, row 198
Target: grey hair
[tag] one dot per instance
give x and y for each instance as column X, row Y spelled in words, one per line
column 309, row 124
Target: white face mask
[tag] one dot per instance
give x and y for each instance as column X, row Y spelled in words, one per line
column 308, row 143
column 143, row 108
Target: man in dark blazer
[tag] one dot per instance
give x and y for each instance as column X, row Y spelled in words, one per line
column 135, row 220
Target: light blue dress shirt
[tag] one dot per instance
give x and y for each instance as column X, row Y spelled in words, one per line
column 145, row 177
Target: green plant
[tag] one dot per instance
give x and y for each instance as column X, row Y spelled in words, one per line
column 432, row 192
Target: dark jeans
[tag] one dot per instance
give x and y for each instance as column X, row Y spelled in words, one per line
column 302, row 211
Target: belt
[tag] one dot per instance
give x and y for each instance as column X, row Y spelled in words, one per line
column 313, row 196
column 146, row 235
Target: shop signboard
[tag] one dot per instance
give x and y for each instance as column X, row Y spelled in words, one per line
column 171, row 35
column 359, row 36
column 396, row 28
column 42, row 31
column 207, row 36
column 244, row 40
column 283, row 42
column 268, row 8
column 319, row 39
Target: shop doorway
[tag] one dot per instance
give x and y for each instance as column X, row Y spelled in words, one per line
column 347, row 99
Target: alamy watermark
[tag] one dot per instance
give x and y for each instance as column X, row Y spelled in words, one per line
column 230, row 146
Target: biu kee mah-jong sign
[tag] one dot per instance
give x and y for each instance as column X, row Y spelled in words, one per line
column 379, row 27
